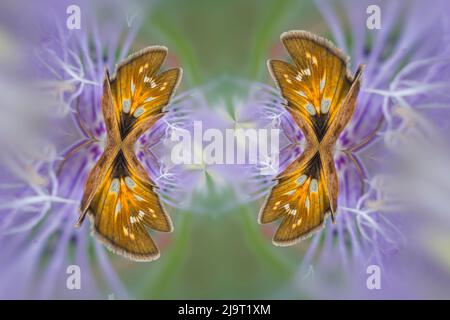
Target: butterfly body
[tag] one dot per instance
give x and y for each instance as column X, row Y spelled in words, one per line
column 321, row 98
column 119, row 197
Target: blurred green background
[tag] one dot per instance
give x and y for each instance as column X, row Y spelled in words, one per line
column 211, row 256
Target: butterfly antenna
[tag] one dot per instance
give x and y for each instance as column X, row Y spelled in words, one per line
column 85, row 131
column 71, row 153
column 359, row 169
column 366, row 140
column 349, row 152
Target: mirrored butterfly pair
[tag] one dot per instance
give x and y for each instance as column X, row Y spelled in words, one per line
column 121, row 199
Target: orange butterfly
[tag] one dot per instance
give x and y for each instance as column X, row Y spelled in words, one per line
column 321, row 97
column 119, row 196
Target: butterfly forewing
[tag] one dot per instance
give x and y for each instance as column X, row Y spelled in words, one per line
column 139, row 92
column 316, row 85
column 119, row 195
column 344, row 114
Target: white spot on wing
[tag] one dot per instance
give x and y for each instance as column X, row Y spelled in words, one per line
column 297, row 224
column 302, row 94
column 310, row 108
column 325, row 105
column 276, row 205
column 313, row 58
column 138, row 112
column 286, row 76
column 114, row 185
column 118, row 207
column 129, row 182
column 150, row 81
column 322, row 84
column 313, row 186
column 126, row 105
column 139, row 217
column 306, row 72
column 301, row 180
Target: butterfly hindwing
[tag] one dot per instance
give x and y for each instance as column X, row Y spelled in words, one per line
column 124, row 207
column 331, row 180
column 299, row 198
column 317, row 82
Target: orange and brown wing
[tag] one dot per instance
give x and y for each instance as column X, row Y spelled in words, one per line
column 124, row 207
column 316, row 84
column 299, row 198
column 99, row 171
column 119, row 195
column 321, row 95
column 139, row 91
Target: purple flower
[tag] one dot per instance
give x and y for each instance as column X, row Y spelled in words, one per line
column 405, row 71
column 41, row 192
column 392, row 159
